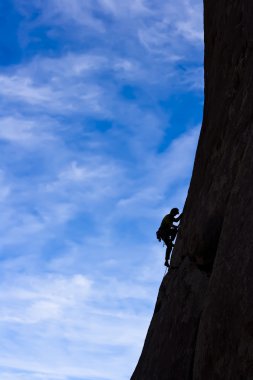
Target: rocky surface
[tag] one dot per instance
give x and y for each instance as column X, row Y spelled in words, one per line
column 202, row 328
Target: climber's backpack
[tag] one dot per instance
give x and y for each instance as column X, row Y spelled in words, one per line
column 158, row 235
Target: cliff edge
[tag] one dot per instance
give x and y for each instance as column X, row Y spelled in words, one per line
column 202, row 327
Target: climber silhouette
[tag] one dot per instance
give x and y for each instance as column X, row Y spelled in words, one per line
column 167, row 232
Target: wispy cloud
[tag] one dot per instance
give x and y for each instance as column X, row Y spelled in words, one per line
column 98, row 131
column 26, row 132
column 55, row 308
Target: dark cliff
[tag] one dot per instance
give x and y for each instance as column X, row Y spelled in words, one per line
column 202, row 326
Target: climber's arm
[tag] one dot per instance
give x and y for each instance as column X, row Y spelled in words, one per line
column 178, row 218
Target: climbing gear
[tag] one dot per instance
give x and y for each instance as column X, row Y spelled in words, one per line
column 158, row 235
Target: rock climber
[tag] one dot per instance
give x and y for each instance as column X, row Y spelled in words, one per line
column 167, row 232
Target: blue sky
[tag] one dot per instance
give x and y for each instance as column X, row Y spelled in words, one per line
column 101, row 106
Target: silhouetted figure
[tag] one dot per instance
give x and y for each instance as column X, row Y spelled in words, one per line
column 167, row 232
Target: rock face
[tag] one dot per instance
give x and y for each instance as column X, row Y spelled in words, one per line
column 202, row 328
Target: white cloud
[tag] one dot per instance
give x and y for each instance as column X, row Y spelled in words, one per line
column 193, row 79
column 191, row 26
column 24, row 89
column 33, row 300
column 171, row 30
column 185, row 15
column 56, row 97
column 85, row 178
column 165, row 170
column 81, row 173
column 17, row 375
column 94, row 319
column 28, row 132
